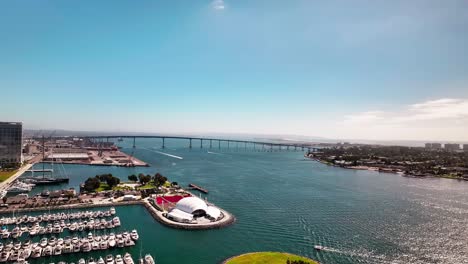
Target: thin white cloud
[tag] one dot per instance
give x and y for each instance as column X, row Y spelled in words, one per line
column 445, row 118
column 442, row 109
column 218, row 4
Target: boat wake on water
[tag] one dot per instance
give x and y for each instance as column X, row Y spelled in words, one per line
column 166, row 154
column 356, row 253
column 215, row 153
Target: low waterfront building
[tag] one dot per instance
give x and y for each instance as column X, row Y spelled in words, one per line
column 67, row 157
column 11, row 143
column 465, row 147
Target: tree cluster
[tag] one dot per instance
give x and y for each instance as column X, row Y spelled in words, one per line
column 92, row 184
column 158, row 179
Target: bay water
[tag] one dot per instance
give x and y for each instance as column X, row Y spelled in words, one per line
column 285, row 202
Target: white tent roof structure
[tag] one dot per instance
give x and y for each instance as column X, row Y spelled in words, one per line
column 191, row 204
column 213, row 212
column 179, row 215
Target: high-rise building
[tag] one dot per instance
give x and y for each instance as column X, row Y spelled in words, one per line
column 436, row 146
column 433, row 146
column 449, row 146
column 11, row 141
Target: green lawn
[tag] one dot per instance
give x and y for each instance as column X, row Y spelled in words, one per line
column 4, row 175
column 150, row 185
column 267, row 258
column 103, row 187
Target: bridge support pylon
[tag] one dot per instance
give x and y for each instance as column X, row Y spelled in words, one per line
column 163, row 143
column 190, row 144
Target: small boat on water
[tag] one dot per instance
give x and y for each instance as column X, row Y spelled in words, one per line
column 109, row 259
column 47, row 251
column 4, row 256
column 116, row 221
column 37, row 252
column 148, row 259
column 128, row 258
column 318, row 247
column 134, row 235
column 118, row 259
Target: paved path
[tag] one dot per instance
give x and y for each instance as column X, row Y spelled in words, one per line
column 7, row 182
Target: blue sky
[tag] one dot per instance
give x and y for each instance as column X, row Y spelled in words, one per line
column 338, row 69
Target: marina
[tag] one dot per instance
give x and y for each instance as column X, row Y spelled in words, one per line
column 59, row 227
column 46, row 217
column 21, row 251
column 28, row 240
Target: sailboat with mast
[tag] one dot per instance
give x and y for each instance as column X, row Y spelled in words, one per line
column 50, row 180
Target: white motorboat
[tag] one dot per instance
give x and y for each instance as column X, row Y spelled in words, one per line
column 118, row 259
column 58, row 250
column 149, row 259
column 4, row 256
column 318, row 247
column 103, row 244
column 37, row 251
column 91, row 261
column 128, row 258
column 47, row 251
column 109, row 259
column 134, row 235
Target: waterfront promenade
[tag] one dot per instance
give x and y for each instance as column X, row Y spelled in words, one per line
column 7, row 182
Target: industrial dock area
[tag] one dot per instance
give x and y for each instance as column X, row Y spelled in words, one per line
column 75, row 150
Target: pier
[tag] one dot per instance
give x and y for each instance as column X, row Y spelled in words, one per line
column 15, row 251
column 198, row 188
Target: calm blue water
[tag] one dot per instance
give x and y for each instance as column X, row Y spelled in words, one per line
column 284, row 202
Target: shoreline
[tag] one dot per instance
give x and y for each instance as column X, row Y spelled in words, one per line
column 377, row 169
column 227, row 220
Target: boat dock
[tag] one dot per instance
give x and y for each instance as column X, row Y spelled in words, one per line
column 17, row 250
column 46, row 217
column 44, row 170
column 59, row 227
column 198, row 188
column 20, row 251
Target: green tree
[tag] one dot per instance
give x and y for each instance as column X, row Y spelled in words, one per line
column 92, row 184
column 112, row 181
column 133, row 178
column 159, row 179
column 144, row 178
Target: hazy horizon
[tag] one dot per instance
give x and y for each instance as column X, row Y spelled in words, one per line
column 361, row 70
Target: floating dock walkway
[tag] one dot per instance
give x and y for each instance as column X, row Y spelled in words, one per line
column 198, row 188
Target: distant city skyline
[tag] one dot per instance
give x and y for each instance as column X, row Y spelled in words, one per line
column 374, row 70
